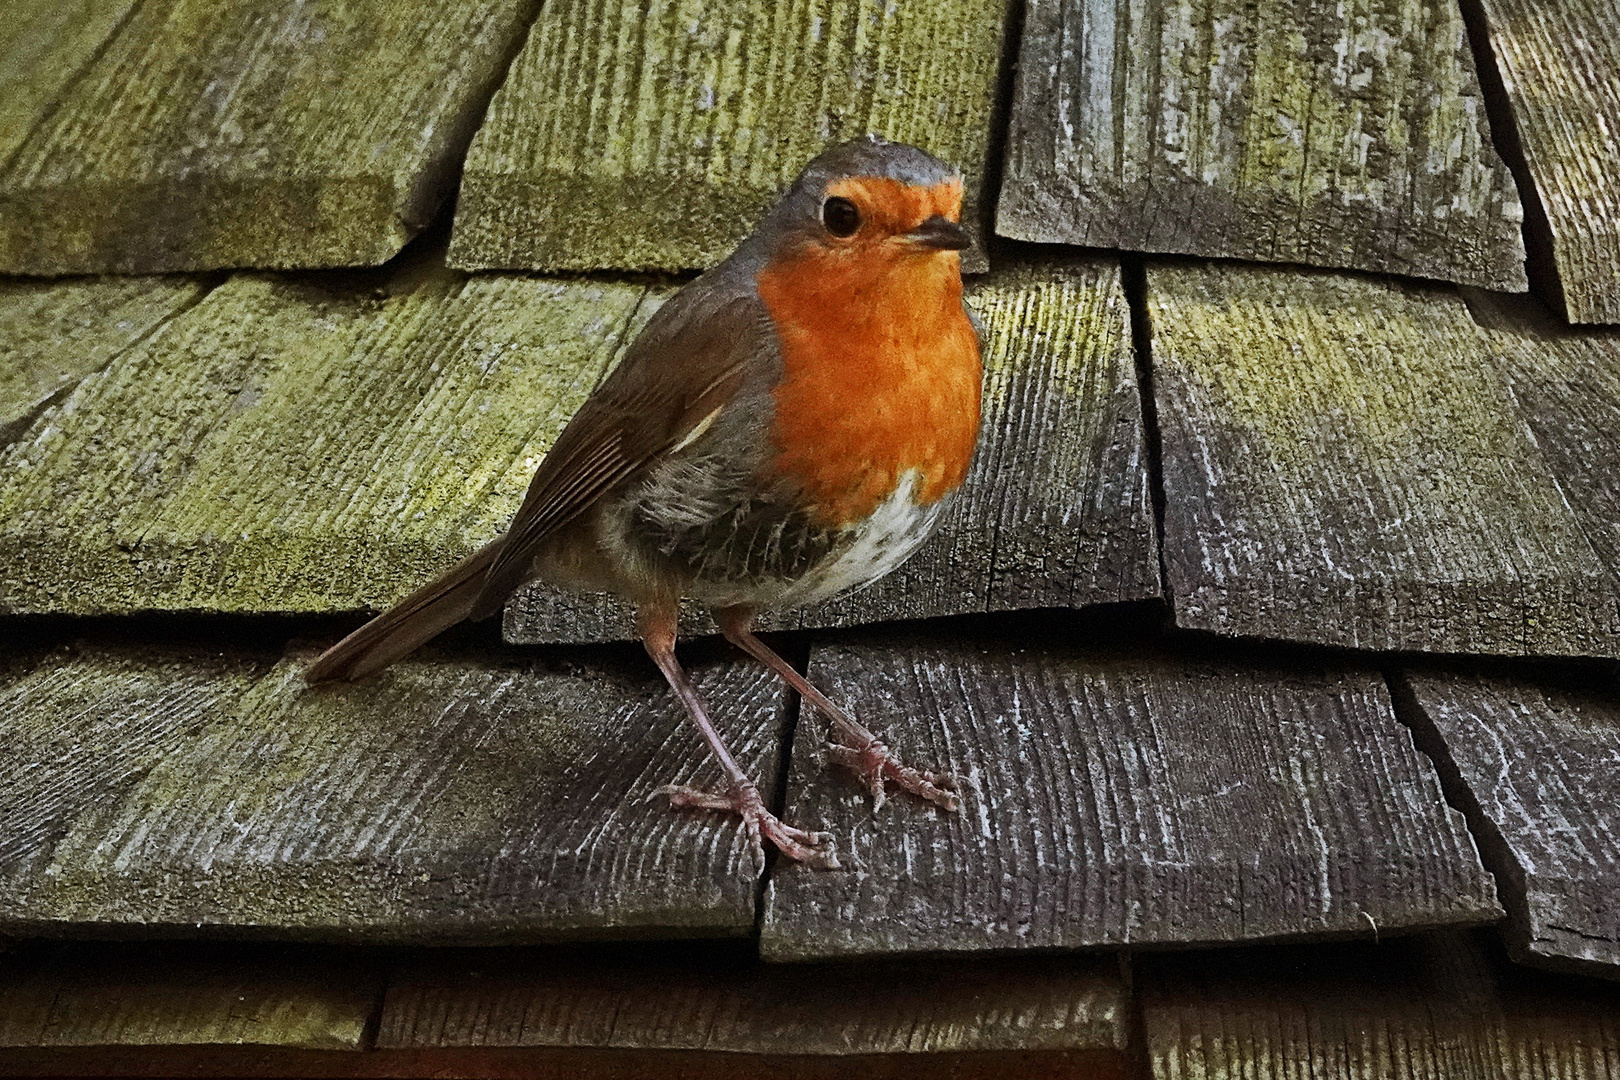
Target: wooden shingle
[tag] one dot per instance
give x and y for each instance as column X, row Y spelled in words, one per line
column 484, row 799
column 1117, row 798
column 1430, row 1009
column 1560, row 67
column 1539, row 760
column 128, row 996
column 197, row 134
column 1055, row 511
column 1310, row 132
column 302, row 445
column 1344, row 463
column 690, row 1001
column 653, row 133
column 53, row 333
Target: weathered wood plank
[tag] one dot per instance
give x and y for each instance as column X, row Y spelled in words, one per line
column 1121, row 798
column 1343, row 135
column 114, row 995
column 1566, row 382
column 1344, row 463
column 653, row 133
column 691, row 1001
column 1056, row 510
column 209, row 135
column 1539, row 762
column 44, row 46
column 1560, row 68
column 300, row 446
column 1430, row 1009
column 54, row 333
column 473, row 799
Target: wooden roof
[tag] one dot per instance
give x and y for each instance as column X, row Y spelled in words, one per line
column 1275, row 631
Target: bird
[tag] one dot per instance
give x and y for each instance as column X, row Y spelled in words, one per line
column 789, row 426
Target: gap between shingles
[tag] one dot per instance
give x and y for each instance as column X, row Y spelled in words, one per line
column 1133, row 281
column 1539, row 263
column 792, row 711
column 1488, row 840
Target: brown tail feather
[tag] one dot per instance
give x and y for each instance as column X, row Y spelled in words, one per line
column 409, row 624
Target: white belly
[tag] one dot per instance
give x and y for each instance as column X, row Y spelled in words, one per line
column 885, row 540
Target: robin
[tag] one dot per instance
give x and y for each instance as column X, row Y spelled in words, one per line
column 787, row 427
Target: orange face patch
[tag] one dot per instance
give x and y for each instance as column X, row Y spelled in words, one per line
column 881, row 365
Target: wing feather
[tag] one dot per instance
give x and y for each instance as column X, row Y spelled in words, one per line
column 687, row 362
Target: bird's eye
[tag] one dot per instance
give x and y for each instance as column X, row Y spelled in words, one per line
column 840, row 216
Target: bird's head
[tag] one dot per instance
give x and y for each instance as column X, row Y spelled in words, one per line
column 871, row 198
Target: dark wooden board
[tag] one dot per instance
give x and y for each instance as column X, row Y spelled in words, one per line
column 1305, row 132
column 475, row 799
column 1344, row 463
column 195, row 134
column 1434, row 1008
column 1560, row 68
column 1133, row 797
column 113, row 995
column 699, row 1002
column 1539, row 762
column 1566, row 383
column 1056, row 510
column 302, row 446
column 651, row 134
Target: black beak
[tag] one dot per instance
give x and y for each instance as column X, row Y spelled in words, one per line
column 940, row 234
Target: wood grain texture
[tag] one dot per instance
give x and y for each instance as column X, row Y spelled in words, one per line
column 1560, row 67
column 1344, row 463
column 1055, row 511
column 1343, row 135
column 45, row 45
column 113, row 995
column 651, row 134
column 694, row 1003
column 302, row 446
column 1539, row 760
column 54, row 333
column 1121, row 798
column 1430, row 1009
column 208, row 134
column 488, row 799
column 1566, row 383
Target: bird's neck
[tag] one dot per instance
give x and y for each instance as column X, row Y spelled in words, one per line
column 881, row 377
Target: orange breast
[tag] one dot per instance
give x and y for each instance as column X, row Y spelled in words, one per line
column 881, row 375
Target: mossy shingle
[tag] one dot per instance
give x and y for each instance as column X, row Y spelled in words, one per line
column 1344, row 463
column 53, row 333
column 250, row 133
column 1560, row 67
column 652, row 133
column 301, row 446
column 1333, row 134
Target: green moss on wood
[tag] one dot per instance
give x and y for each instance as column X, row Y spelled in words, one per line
column 283, row 447
column 1344, row 463
column 652, row 133
column 247, row 134
column 55, row 333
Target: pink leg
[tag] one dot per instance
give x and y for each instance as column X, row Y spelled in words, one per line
column 657, row 623
column 862, row 752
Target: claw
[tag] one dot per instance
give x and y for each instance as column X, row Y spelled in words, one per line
column 815, row 849
column 876, row 766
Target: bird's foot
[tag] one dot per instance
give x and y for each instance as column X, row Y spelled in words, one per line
column 814, row 849
column 876, row 766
